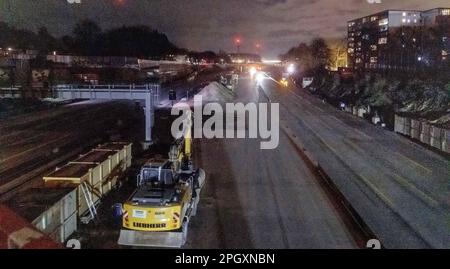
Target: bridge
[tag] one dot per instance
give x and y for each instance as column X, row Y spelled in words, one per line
column 147, row 94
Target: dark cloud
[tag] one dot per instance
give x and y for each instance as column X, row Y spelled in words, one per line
column 209, row 24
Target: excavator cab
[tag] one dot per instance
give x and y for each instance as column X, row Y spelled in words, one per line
column 155, row 173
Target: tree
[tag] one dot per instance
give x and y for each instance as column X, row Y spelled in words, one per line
column 312, row 58
column 137, row 41
column 320, row 52
column 86, row 37
column 46, row 42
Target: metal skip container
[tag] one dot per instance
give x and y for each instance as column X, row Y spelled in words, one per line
column 93, row 174
column 53, row 211
column 73, row 175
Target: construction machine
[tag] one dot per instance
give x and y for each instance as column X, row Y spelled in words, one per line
column 168, row 191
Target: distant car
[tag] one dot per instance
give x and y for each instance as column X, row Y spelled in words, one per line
column 284, row 82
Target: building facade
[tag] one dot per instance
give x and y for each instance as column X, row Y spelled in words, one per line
column 394, row 39
column 439, row 18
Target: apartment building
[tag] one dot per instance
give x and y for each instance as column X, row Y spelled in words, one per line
column 394, row 39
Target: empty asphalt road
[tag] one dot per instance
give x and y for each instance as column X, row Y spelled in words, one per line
column 399, row 188
column 262, row 198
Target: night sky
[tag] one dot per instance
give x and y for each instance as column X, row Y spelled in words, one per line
column 209, row 24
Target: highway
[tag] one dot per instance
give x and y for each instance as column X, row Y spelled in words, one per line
column 399, row 188
column 262, row 198
column 269, row 198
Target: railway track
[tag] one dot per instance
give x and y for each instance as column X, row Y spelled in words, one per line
column 52, row 141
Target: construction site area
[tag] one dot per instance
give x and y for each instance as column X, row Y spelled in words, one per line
column 68, row 168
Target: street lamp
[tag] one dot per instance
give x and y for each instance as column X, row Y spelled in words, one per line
column 258, row 48
column 291, row 69
column 238, row 44
column 252, row 71
column 259, row 77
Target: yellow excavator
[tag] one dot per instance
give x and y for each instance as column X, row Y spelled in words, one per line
column 168, row 192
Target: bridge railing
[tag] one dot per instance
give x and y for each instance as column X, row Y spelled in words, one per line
column 110, row 91
column 107, row 87
column 148, row 93
column 10, row 92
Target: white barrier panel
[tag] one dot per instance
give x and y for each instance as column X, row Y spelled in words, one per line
column 436, row 135
column 446, row 141
column 415, row 129
column 425, row 133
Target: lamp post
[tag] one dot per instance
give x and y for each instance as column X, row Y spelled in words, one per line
column 238, row 44
column 258, row 48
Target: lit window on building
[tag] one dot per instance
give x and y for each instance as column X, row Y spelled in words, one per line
column 358, row 60
column 445, row 12
column 384, row 21
column 384, row 28
column 373, row 59
column 373, row 18
column 351, row 50
column 373, row 47
column 382, row 40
